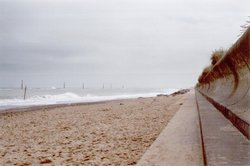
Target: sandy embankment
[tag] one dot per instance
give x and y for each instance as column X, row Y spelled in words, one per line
column 109, row 133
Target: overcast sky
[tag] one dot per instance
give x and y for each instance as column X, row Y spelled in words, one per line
column 138, row 43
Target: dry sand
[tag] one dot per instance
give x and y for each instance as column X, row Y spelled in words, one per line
column 109, row 133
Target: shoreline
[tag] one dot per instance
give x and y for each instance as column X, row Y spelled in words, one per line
column 116, row 132
column 62, row 105
column 49, row 106
column 58, row 105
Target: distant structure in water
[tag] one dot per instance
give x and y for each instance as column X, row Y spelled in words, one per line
column 21, row 84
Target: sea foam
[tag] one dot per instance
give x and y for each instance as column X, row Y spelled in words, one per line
column 67, row 97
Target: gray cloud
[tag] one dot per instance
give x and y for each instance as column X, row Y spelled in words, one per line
column 162, row 43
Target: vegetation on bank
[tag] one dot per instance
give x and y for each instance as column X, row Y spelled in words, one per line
column 215, row 58
column 217, row 55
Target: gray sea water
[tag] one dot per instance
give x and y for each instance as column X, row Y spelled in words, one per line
column 14, row 97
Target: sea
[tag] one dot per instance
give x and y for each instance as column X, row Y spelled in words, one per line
column 14, row 97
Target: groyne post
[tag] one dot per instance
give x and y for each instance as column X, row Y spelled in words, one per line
column 21, row 84
column 25, row 90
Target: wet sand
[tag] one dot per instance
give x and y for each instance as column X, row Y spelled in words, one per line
column 106, row 133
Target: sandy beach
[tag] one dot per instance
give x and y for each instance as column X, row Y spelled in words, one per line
column 107, row 133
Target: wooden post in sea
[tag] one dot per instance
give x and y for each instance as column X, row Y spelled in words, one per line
column 63, row 85
column 82, row 85
column 24, row 95
column 103, row 86
column 21, row 84
column 111, row 86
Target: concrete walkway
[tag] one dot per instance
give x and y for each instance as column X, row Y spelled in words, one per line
column 223, row 143
column 198, row 135
column 179, row 143
column 236, row 114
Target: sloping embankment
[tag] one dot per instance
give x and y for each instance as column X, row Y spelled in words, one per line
column 227, row 85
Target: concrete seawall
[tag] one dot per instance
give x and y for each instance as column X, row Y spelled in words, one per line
column 227, row 85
